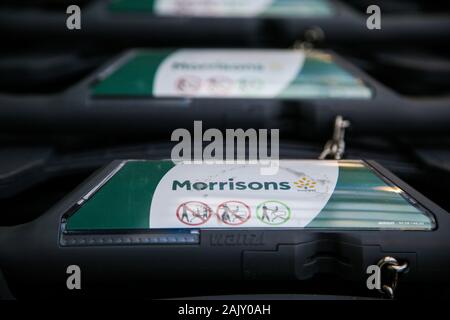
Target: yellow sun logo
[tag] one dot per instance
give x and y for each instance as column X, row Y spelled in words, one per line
column 305, row 183
column 275, row 66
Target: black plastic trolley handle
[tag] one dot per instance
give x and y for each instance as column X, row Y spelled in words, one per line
column 61, row 114
column 345, row 26
column 386, row 116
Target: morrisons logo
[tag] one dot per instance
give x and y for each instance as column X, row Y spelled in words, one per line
column 223, row 66
column 230, row 185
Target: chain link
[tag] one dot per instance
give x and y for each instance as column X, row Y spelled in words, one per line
column 395, row 268
column 335, row 147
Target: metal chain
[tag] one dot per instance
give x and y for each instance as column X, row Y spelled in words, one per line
column 311, row 37
column 394, row 268
column 335, row 147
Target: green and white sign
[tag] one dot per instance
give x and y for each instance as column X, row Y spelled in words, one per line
column 226, row 8
column 303, row 194
column 288, row 74
column 227, row 73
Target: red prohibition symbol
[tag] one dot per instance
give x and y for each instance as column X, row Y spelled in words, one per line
column 193, row 213
column 233, row 213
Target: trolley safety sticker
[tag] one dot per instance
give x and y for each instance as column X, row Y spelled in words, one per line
column 303, row 194
column 193, row 213
column 232, row 73
column 273, row 212
column 226, row 8
column 233, row 213
column 236, row 191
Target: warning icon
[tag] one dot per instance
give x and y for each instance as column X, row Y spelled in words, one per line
column 233, row 212
column 194, row 213
column 188, row 84
column 273, row 212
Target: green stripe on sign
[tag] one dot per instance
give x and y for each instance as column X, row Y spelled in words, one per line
column 299, row 8
column 124, row 201
column 361, row 199
column 135, row 77
column 321, row 77
column 132, row 5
